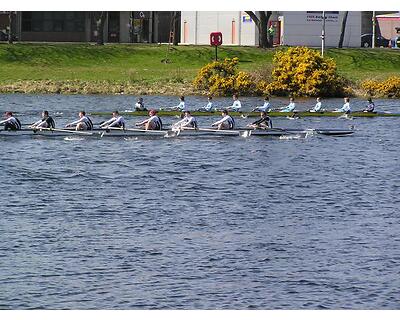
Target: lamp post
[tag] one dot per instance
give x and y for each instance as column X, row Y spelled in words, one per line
column 323, row 34
column 373, row 29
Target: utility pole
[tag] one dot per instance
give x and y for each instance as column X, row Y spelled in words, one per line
column 323, row 34
column 373, row 29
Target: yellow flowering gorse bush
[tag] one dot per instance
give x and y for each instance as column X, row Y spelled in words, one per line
column 302, row 71
column 223, row 78
column 387, row 88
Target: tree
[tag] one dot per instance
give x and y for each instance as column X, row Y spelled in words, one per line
column 343, row 30
column 175, row 22
column 261, row 19
column 100, row 22
column 10, row 29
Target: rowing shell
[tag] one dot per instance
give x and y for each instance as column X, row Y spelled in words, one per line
column 244, row 132
column 257, row 114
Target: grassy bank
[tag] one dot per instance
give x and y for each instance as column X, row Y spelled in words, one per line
column 137, row 69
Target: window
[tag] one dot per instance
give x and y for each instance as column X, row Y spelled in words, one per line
column 53, row 21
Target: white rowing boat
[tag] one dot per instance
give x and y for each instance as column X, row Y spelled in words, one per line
column 202, row 132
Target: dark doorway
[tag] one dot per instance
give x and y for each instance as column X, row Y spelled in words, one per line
column 113, row 26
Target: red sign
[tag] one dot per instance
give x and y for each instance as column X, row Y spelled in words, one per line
column 215, row 38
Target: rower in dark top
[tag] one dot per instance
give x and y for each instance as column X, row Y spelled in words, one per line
column 10, row 122
column 263, row 123
column 45, row 122
column 370, row 107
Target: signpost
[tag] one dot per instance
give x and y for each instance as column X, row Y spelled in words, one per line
column 216, row 41
column 323, row 34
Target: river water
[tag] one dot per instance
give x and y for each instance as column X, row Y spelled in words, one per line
column 199, row 223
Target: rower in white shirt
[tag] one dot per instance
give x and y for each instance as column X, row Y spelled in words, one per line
column 265, row 108
column 117, row 121
column 187, row 122
column 236, row 106
column 179, row 107
column 226, row 123
column 318, row 106
column 290, row 107
column 83, row 123
column 207, row 107
column 139, row 106
column 10, row 122
column 346, row 106
column 152, row 123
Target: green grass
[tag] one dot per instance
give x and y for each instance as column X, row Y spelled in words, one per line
column 114, row 62
column 143, row 63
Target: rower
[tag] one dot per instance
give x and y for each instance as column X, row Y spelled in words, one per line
column 226, row 123
column 290, row 107
column 265, row 108
column 83, row 123
column 370, row 107
column 346, row 106
column 318, row 106
column 187, row 122
column 179, row 107
column 117, row 121
column 152, row 123
column 45, row 122
column 236, row 106
column 139, row 106
column 264, row 122
column 10, row 122
column 207, row 107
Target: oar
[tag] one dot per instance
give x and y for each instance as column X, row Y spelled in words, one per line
column 212, row 130
column 131, row 129
column 62, row 130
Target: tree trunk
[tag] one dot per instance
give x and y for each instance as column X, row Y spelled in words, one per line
column 262, row 26
column 10, row 30
column 175, row 27
column 343, row 30
column 100, row 22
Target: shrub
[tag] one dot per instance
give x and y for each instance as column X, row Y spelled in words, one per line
column 388, row 88
column 302, row 71
column 223, row 78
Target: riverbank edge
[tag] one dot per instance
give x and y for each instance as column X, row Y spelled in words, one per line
column 79, row 87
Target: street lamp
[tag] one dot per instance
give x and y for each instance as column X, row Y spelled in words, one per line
column 323, row 34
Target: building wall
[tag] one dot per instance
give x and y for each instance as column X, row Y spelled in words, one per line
column 304, row 29
column 196, row 27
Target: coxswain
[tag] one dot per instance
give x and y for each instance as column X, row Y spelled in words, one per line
column 263, row 123
column 83, row 123
column 290, row 107
column 265, row 107
column 236, row 106
column 117, row 121
column 346, row 107
column 187, row 122
column 318, row 106
column 370, row 107
column 226, row 123
column 139, row 106
column 152, row 123
column 45, row 122
column 10, row 122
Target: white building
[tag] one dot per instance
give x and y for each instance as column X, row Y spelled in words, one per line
column 293, row 28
